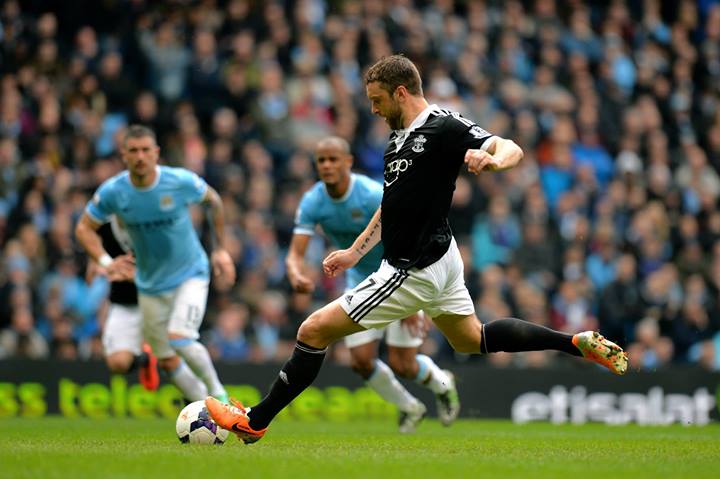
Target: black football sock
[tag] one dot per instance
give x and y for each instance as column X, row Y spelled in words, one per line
column 514, row 335
column 138, row 361
column 298, row 373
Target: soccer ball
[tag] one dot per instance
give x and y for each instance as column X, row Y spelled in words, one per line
column 194, row 425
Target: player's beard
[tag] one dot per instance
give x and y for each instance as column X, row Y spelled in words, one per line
column 394, row 118
column 139, row 171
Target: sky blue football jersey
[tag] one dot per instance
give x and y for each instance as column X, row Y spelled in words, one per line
column 343, row 219
column 166, row 247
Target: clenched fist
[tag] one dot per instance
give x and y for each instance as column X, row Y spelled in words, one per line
column 480, row 160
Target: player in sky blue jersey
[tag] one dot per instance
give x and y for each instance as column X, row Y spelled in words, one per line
column 169, row 265
column 342, row 203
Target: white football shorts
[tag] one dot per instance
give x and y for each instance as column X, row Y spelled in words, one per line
column 122, row 330
column 396, row 334
column 390, row 294
column 180, row 311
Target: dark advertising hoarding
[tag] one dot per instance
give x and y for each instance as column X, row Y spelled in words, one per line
column 559, row 395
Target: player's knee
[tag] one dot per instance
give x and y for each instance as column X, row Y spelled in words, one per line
column 119, row 363
column 307, row 330
column 311, row 331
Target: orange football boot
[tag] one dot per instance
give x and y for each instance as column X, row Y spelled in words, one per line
column 149, row 377
column 596, row 348
column 233, row 417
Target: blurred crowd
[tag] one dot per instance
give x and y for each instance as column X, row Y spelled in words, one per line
column 611, row 221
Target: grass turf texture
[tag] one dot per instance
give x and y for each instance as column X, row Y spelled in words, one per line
column 114, row 448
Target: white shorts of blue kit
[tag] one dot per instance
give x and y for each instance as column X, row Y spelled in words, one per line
column 179, row 311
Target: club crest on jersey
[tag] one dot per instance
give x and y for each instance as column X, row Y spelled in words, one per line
column 356, row 214
column 166, row 202
column 419, row 145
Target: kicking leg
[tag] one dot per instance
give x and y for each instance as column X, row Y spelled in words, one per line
column 467, row 335
column 316, row 333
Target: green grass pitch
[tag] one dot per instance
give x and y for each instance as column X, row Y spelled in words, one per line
column 128, row 448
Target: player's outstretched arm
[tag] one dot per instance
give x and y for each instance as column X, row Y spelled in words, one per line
column 502, row 154
column 340, row 260
column 295, row 264
column 222, row 263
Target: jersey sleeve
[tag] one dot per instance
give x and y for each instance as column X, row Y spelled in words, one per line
column 193, row 187
column 467, row 135
column 101, row 206
column 305, row 216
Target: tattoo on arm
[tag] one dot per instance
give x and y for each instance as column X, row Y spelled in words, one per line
column 366, row 244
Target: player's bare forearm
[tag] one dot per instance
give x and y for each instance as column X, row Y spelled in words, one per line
column 501, row 155
column 369, row 237
column 89, row 239
column 121, row 268
column 343, row 259
column 295, row 263
column 216, row 213
column 507, row 154
column 222, row 263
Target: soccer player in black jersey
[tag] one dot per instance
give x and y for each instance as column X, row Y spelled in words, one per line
column 341, row 204
column 122, row 333
column 422, row 268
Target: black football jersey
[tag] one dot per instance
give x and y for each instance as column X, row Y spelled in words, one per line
column 116, row 242
column 421, row 165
